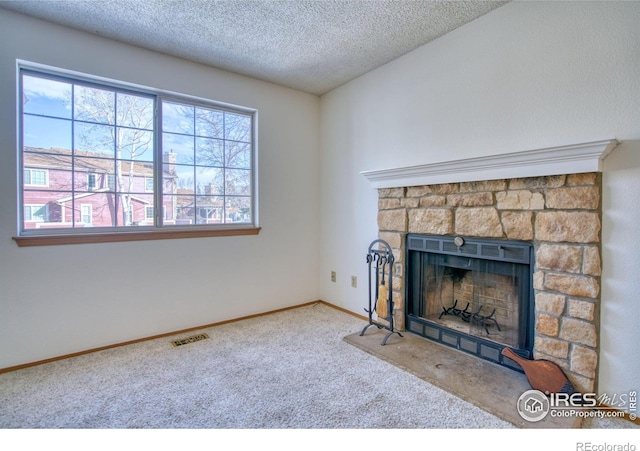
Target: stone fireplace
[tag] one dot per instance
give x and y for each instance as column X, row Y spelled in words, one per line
column 555, row 206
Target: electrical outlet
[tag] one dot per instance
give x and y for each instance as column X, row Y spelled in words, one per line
column 354, row 281
column 333, row 276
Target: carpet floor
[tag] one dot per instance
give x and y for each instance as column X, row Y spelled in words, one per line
column 287, row 370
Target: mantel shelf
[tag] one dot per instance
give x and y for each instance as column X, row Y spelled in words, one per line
column 572, row 159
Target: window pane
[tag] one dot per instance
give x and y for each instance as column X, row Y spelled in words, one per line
column 238, row 181
column 238, row 155
column 209, row 123
column 185, row 178
column 177, row 118
column 94, row 105
column 209, row 181
column 95, row 139
column 135, row 111
column 210, row 210
column 209, row 152
column 101, row 206
column 185, row 210
column 46, row 97
column 131, row 176
column 238, row 209
column 237, row 127
column 44, row 209
column 57, row 176
column 46, row 133
column 135, row 144
column 181, row 145
column 139, row 204
column 94, row 170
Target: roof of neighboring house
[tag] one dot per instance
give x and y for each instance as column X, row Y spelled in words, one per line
column 85, row 161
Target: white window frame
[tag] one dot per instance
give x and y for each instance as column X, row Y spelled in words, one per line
column 31, row 171
column 120, row 233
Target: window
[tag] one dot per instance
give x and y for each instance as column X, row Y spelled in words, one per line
column 86, row 213
column 36, row 213
column 114, row 154
column 91, row 182
column 35, row 177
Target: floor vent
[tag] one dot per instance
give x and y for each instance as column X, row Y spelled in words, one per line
column 187, row 340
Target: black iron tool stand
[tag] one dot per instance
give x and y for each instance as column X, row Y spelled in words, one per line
column 380, row 260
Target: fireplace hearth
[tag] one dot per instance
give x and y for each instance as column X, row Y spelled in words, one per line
column 471, row 294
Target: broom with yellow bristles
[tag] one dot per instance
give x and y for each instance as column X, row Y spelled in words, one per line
column 381, row 302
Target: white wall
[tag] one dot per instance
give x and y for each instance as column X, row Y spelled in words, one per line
column 529, row 75
column 62, row 299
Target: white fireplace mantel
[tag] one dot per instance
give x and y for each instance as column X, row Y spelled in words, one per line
column 572, row 159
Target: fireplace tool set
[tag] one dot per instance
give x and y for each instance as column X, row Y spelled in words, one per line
column 380, row 260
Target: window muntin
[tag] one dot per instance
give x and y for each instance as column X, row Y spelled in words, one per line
column 107, row 155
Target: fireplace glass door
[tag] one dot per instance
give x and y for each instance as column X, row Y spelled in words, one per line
column 476, row 297
column 473, row 299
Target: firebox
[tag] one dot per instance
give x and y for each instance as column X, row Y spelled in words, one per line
column 475, row 295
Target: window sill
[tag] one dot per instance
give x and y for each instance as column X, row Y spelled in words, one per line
column 52, row 240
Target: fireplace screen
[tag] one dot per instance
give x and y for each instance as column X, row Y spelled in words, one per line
column 470, row 294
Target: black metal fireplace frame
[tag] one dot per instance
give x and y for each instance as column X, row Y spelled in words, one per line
column 460, row 248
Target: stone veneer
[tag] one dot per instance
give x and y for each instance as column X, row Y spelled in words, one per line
column 560, row 215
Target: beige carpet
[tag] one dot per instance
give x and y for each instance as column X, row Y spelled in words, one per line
column 287, row 370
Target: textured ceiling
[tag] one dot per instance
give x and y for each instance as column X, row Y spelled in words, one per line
column 313, row 46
